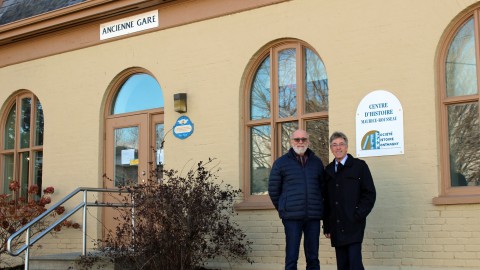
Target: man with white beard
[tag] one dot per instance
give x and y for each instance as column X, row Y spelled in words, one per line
column 295, row 187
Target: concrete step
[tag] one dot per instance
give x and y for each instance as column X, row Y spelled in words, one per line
column 68, row 261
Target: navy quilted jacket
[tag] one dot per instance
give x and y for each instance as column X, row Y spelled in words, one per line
column 296, row 191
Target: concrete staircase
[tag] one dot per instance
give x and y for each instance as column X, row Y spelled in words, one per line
column 68, row 261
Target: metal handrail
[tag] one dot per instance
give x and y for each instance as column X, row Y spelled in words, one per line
column 84, row 204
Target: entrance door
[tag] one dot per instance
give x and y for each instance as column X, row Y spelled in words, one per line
column 134, row 155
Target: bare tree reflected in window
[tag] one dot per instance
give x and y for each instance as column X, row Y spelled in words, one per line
column 261, row 157
column 25, row 114
column 39, row 124
column 287, row 130
column 464, row 138
column 260, row 94
column 126, row 156
column 318, row 130
column 316, row 83
column 158, row 150
column 287, row 83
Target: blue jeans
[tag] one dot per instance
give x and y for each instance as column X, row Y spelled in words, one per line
column 311, row 241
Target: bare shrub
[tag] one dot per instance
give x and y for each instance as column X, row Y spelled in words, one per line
column 179, row 222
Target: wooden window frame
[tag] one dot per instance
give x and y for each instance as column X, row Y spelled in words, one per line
column 15, row 100
column 252, row 202
column 449, row 194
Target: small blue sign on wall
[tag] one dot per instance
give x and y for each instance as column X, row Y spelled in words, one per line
column 183, row 127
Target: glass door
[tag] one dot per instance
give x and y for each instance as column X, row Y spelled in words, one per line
column 127, row 150
column 158, row 135
column 127, row 158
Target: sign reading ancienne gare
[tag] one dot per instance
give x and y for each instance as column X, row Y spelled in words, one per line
column 129, row 25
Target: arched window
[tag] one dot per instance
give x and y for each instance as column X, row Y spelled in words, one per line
column 287, row 89
column 139, row 92
column 21, row 151
column 459, row 108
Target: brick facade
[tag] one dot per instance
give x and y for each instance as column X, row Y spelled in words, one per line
column 365, row 45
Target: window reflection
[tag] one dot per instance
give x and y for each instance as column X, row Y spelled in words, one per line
column 126, row 156
column 159, row 154
column 316, row 83
column 464, row 135
column 10, row 129
column 287, row 83
column 25, row 122
column 38, row 171
column 8, row 172
column 318, row 131
column 39, row 124
column 139, row 92
column 24, row 166
column 260, row 159
column 461, row 72
column 287, row 130
column 260, row 94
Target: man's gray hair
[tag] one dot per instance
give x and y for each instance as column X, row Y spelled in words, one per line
column 338, row 134
column 306, row 133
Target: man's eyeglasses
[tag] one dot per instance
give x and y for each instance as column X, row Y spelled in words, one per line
column 300, row 139
column 337, row 145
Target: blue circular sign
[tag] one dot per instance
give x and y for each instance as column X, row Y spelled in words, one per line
column 183, row 127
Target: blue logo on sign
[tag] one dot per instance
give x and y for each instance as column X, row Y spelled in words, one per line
column 371, row 140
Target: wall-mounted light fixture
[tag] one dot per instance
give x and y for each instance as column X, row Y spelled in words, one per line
column 180, row 102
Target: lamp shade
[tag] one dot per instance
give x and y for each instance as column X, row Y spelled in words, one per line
column 180, row 102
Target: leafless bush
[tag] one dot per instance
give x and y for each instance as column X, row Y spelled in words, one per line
column 179, row 223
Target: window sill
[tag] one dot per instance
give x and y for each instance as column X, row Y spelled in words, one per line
column 249, row 205
column 458, row 199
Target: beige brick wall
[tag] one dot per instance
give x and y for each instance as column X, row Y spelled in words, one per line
column 365, row 45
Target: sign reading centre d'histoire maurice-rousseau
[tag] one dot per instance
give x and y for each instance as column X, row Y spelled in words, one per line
column 129, row 25
column 379, row 125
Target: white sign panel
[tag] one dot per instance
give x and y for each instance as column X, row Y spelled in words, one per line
column 127, row 156
column 129, row 25
column 160, row 156
column 379, row 124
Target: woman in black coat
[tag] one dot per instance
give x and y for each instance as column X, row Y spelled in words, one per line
column 349, row 198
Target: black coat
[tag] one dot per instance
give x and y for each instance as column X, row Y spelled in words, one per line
column 296, row 191
column 349, row 198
